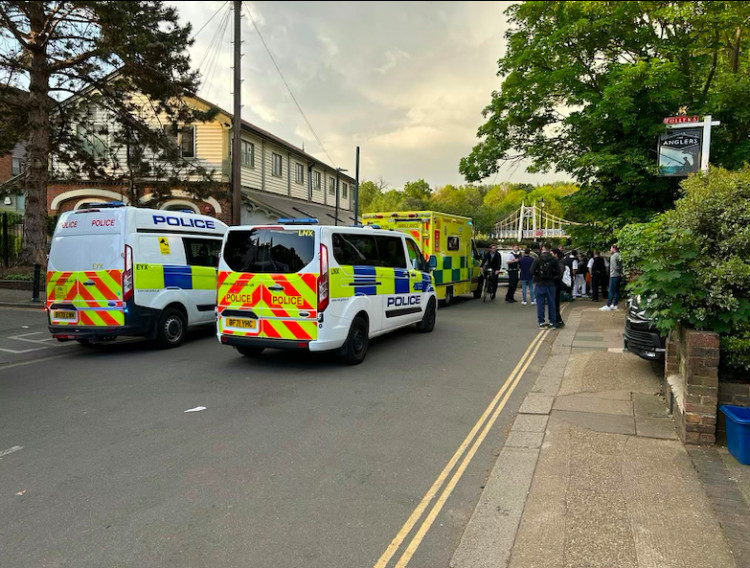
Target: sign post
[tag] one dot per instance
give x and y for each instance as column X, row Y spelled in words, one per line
column 683, row 149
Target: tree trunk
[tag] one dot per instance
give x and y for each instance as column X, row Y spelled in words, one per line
column 34, row 249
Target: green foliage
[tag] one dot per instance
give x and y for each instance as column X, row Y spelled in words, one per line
column 586, row 86
column 97, row 59
column 692, row 261
column 485, row 205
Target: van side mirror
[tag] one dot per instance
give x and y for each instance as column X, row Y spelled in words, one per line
column 432, row 262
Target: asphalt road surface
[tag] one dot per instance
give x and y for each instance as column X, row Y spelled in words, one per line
column 296, row 460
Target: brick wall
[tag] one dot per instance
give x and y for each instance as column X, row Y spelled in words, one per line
column 5, row 167
column 691, row 374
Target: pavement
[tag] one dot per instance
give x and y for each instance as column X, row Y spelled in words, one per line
column 592, row 473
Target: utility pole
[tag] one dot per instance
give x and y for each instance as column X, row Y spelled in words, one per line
column 356, row 191
column 236, row 176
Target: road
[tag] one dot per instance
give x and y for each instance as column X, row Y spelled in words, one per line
column 296, row 461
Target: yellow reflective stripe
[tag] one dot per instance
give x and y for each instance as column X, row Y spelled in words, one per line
column 148, row 276
column 204, row 277
column 341, row 283
column 386, row 278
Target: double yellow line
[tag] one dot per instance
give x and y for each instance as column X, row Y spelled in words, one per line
column 462, row 457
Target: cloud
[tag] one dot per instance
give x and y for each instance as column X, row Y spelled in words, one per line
column 406, row 82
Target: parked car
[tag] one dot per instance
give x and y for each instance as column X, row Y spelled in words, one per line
column 641, row 335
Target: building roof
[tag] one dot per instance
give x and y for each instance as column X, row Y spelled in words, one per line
column 290, row 207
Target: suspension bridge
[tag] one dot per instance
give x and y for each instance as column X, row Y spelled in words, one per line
column 531, row 223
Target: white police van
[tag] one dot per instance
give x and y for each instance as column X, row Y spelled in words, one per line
column 120, row 271
column 299, row 285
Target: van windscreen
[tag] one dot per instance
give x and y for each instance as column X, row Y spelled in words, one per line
column 263, row 251
column 77, row 252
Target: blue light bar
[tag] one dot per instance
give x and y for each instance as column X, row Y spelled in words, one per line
column 297, row 221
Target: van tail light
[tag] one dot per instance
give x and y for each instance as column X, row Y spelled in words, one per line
column 127, row 274
column 323, row 282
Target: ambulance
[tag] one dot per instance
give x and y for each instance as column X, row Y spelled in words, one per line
column 124, row 271
column 450, row 238
column 299, row 285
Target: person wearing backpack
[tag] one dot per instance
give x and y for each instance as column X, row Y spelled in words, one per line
column 545, row 271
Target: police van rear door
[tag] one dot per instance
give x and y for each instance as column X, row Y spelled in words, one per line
column 270, row 288
column 85, row 269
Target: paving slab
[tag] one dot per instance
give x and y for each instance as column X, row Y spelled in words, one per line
column 652, row 418
column 518, row 439
column 488, row 538
column 536, row 404
column 611, row 423
column 530, row 423
column 599, row 405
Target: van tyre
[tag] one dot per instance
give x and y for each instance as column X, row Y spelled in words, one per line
column 171, row 329
column 354, row 349
column 249, row 351
column 428, row 319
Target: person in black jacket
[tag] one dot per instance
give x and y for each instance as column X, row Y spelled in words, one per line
column 560, row 287
column 545, row 271
column 599, row 277
column 492, row 260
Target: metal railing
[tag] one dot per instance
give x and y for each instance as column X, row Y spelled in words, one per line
column 11, row 237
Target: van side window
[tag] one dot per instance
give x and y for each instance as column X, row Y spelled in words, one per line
column 202, row 252
column 391, row 252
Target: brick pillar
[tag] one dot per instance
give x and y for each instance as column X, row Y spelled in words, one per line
column 699, row 367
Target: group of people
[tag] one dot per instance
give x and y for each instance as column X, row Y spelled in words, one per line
column 549, row 275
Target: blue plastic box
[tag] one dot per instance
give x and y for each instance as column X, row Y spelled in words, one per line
column 738, row 431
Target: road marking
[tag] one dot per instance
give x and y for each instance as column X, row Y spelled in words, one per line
column 10, row 451
column 24, row 337
column 485, row 423
column 33, row 361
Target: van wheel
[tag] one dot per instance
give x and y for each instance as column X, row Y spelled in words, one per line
column 428, row 319
column 354, row 349
column 249, row 351
column 448, row 296
column 170, row 331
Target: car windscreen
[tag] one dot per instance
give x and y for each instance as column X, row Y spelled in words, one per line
column 78, row 252
column 263, row 251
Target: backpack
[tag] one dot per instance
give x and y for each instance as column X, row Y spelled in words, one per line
column 547, row 269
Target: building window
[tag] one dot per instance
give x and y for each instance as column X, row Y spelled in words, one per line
column 187, row 141
column 16, row 166
column 247, row 154
column 317, row 184
column 344, row 190
column 93, row 140
column 299, row 173
column 331, row 186
column 276, row 165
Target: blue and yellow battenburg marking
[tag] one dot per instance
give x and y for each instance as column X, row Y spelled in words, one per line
column 158, row 276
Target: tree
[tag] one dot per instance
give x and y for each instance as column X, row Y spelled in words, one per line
column 116, row 55
column 586, row 86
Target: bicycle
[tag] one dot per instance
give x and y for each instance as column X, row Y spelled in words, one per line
column 489, row 275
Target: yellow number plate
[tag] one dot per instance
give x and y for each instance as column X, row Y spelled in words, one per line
column 244, row 323
column 63, row 315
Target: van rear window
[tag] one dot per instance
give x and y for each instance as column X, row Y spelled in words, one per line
column 263, row 251
column 75, row 252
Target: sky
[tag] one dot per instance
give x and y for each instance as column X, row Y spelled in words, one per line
column 406, row 82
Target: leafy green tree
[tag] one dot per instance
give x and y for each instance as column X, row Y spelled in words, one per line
column 417, row 195
column 55, row 49
column 586, row 86
column 369, row 191
column 691, row 262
